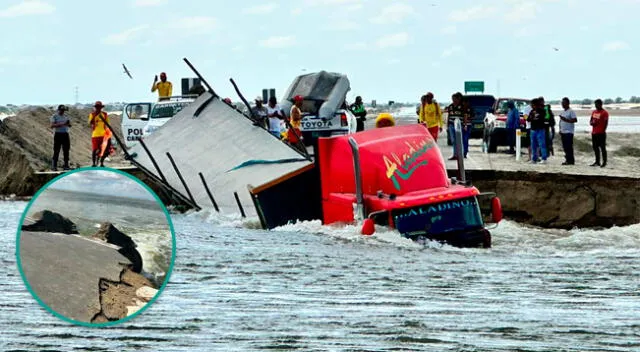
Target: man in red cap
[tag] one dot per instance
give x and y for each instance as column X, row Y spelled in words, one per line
column 163, row 87
column 99, row 129
column 296, row 118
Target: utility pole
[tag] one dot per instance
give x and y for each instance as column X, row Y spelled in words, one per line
column 76, row 94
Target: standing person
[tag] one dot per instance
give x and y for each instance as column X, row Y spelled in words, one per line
column 163, row 87
column 276, row 116
column 550, row 125
column 296, row 117
column 513, row 122
column 360, row 112
column 599, row 122
column 467, row 121
column 568, row 121
column 98, row 131
column 454, row 111
column 60, row 123
column 430, row 115
column 527, row 111
column 260, row 113
column 537, row 119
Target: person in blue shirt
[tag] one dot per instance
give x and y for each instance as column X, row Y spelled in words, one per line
column 513, row 122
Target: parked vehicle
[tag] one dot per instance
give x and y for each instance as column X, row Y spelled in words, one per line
column 481, row 104
column 324, row 107
column 141, row 119
column 495, row 123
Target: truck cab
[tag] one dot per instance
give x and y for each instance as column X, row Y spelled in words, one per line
column 324, row 107
column 141, row 119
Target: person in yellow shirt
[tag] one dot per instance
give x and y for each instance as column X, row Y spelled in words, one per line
column 163, row 87
column 430, row 115
column 98, row 131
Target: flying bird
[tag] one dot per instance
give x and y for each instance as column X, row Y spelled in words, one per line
column 556, row 49
column 126, row 70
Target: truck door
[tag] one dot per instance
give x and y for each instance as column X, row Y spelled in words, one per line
column 134, row 117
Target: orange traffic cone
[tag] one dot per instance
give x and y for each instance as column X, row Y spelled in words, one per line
column 368, row 227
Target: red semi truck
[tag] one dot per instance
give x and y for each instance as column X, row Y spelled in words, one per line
column 397, row 177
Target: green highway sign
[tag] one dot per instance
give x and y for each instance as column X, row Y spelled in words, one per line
column 474, row 86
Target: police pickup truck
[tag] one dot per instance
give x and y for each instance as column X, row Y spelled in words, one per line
column 324, row 107
column 141, row 119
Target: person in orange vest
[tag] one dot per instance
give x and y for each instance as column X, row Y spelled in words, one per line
column 430, row 115
column 163, row 87
column 295, row 120
column 98, row 131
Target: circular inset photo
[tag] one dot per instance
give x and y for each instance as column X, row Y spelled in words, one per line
column 95, row 247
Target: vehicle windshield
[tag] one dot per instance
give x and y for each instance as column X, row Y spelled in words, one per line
column 452, row 216
column 163, row 111
column 503, row 109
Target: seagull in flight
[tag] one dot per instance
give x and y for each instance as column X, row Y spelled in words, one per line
column 126, row 70
column 556, row 49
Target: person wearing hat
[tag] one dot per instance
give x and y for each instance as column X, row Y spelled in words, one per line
column 99, row 129
column 163, row 87
column 385, row 119
column 60, row 123
column 294, row 134
column 430, row 115
column 259, row 113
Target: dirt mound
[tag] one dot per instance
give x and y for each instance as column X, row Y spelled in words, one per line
column 26, row 145
column 48, row 221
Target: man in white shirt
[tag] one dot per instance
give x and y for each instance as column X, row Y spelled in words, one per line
column 568, row 121
column 276, row 117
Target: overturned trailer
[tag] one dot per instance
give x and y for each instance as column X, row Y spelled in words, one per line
column 217, row 157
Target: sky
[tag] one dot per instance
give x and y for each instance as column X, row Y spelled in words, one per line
column 102, row 182
column 390, row 50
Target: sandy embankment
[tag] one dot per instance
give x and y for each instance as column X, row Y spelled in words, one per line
column 26, row 146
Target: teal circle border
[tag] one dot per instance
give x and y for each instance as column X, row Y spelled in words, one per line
column 167, row 277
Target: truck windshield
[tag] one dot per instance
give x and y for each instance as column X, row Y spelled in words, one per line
column 163, row 111
column 452, row 216
column 503, row 108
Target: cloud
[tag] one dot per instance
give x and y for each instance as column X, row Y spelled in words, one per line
column 393, row 40
column 194, row 25
column 449, row 30
column 472, row 13
column 395, row 13
column 522, row 11
column 296, row 11
column 278, row 42
column 125, row 36
column 148, row 3
column 451, row 51
column 616, row 45
column 261, row 9
column 28, row 8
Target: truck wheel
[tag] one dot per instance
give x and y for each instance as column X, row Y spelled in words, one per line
column 492, row 145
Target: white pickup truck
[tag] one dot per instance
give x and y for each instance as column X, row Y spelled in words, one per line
column 141, row 119
column 324, row 106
